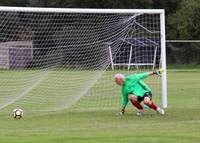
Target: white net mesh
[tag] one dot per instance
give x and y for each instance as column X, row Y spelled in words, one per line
column 138, row 51
column 49, row 60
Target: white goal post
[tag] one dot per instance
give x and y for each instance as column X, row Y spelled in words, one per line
column 58, row 55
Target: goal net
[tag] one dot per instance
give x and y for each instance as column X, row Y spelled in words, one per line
column 52, row 59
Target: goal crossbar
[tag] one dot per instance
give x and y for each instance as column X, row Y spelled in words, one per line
column 79, row 10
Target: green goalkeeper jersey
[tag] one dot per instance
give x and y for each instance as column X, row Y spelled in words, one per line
column 134, row 85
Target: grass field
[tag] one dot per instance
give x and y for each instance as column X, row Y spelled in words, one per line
column 181, row 124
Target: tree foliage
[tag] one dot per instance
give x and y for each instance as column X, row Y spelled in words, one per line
column 185, row 22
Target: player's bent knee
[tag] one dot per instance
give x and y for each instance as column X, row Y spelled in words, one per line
column 133, row 98
column 147, row 101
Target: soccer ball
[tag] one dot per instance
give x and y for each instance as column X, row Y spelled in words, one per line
column 17, row 113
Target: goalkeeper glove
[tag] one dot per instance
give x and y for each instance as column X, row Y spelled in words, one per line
column 158, row 72
column 122, row 112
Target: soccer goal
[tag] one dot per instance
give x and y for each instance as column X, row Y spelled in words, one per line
column 136, row 45
column 50, row 58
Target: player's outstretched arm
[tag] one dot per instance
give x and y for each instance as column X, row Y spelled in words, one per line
column 124, row 104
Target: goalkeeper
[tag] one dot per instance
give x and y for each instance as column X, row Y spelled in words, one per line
column 135, row 90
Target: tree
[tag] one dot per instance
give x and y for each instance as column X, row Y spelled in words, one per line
column 185, row 22
column 13, row 2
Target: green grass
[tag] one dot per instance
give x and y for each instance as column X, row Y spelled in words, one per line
column 183, row 66
column 180, row 125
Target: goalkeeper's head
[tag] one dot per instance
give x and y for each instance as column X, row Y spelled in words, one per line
column 119, row 79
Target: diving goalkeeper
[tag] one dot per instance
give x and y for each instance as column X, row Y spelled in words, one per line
column 135, row 90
